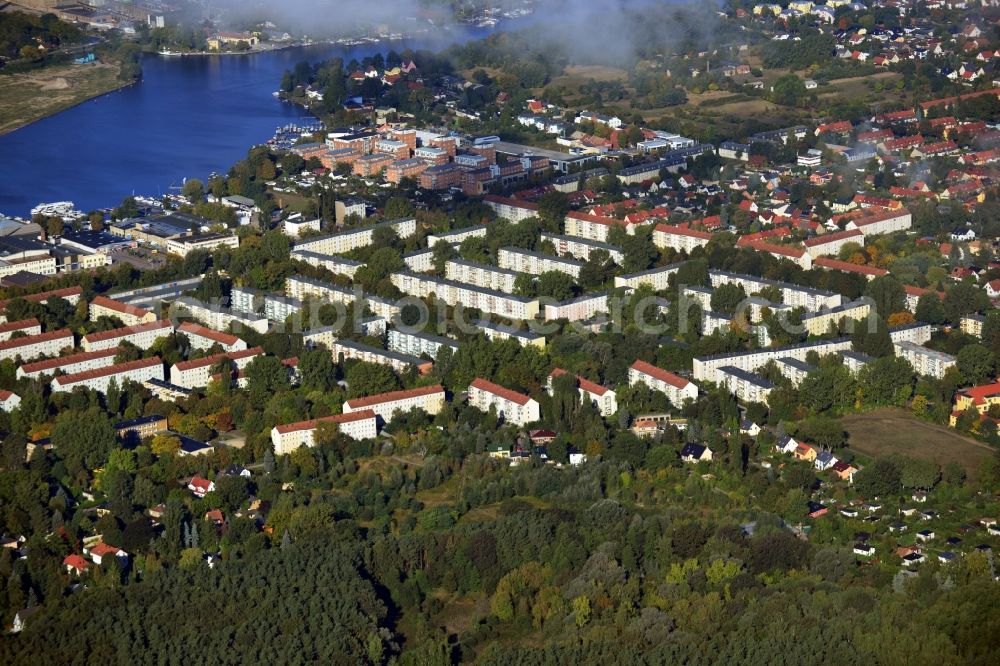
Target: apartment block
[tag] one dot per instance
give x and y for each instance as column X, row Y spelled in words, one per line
column 137, row 371
column 925, row 361
column 658, row 279
column 494, row 331
column 818, row 323
column 429, row 399
column 202, row 337
column 301, row 288
column 746, row 386
column 600, row 397
column 358, row 425
column 361, row 352
column 33, row 346
column 581, row 248
column 70, row 294
column 456, row 236
column 418, row 344
column 197, row 373
column 535, row 263
column 27, row 326
column 831, row 243
column 102, row 306
column 917, row 333
column 333, row 263
column 578, row 309
column 796, row 296
column 511, row 406
column 705, row 367
column 142, row 336
column 514, row 210
column 676, row 388
column 69, row 365
column 346, row 241
column 680, row 239
column 454, row 293
column 480, row 275
column 218, row 317
column 972, row 325
column 795, row 370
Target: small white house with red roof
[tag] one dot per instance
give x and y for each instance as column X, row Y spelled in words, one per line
column 99, row 551
column 9, row 401
column 200, row 486
column 75, row 564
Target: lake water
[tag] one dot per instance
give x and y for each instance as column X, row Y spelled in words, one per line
column 188, row 117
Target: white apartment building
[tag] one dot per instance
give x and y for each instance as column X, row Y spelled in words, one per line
column 831, row 243
column 246, row 300
column 218, row 317
column 429, row 399
column 454, row 293
column 33, row 346
column 744, row 385
column 494, row 331
column 481, row 275
column 345, row 242
column 398, row 362
column 602, row 398
column 680, row 239
column 700, row 295
column 591, row 227
column 185, row 245
column 202, row 337
column 301, row 288
column 297, row 225
column 102, row 306
column 511, row 406
column 818, row 323
column 69, row 365
column 795, row 370
column 39, row 264
column 855, row 360
column 416, row 344
column 705, row 367
column 420, row 261
column 280, row 308
column 9, row 401
column 197, row 373
column 514, row 210
column 715, row 321
column 917, row 333
column 139, row 371
column 657, row 279
column 794, row 295
column 578, row 309
column 676, row 388
column 332, row 263
column 925, row 361
column 142, row 336
column 27, row 326
column 581, row 248
column 70, row 294
column 358, row 425
column 882, row 222
column 456, row 236
column 535, row 263
column 972, row 325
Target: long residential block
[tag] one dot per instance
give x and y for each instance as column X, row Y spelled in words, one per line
column 520, row 260
column 69, row 365
column 600, row 397
column 142, row 336
column 511, row 406
column 706, row 368
column 138, row 371
column 27, row 326
column 676, row 388
column 429, row 399
column 358, row 425
column 481, row 275
column 197, row 373
column 582, row 248
column 130, row 315
column 454, row 293
column 33, row 346
column 347, row 241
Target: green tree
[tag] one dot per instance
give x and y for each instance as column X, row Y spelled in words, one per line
column 976, row 364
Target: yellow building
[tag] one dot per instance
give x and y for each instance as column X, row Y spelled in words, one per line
column 980, row 398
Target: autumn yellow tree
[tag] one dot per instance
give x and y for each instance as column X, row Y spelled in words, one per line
column 164, row 444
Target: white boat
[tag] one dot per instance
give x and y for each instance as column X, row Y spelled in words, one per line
column 167, row 53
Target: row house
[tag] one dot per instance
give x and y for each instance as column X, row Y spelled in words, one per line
column 333, row 263
column 496, row 331
column 68, row 365
column 102, row 306
column 600, row 397
column 33, row 346
column 481, row 275
column 428, row 399
column 28, row 327
column 202, row 337
column 139, row 371
column 680, row 239
column 418, row 344
column 198, row 373
column 581, row 248
column 511, row 406
column 290, row 436
column 520, row 260
column 677, row 389
column 705, row 368
column 455, row 293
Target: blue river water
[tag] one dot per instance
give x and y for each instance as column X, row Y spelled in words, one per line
column 187, row 118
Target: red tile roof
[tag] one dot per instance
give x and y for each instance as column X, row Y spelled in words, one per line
column 128, row 330
column 847, row 267
column 497, row 390
column 205, row 332
column 101, row 549
column 118, row 368
column 12, row 326
column 125, row 308
column 41, row 337
column 391, row 396
column 5, row 395
column 833, row 237
column 209, row 360
column 587, row 385
column 980, row 393
column 45, row 295
column 682, row 231
column 338, row 419
column 52, row 363
column 772, row 248
column 659, row 373
column 76, row 561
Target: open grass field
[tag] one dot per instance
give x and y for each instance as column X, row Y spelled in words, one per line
column 887, row 432
column 29, row 96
